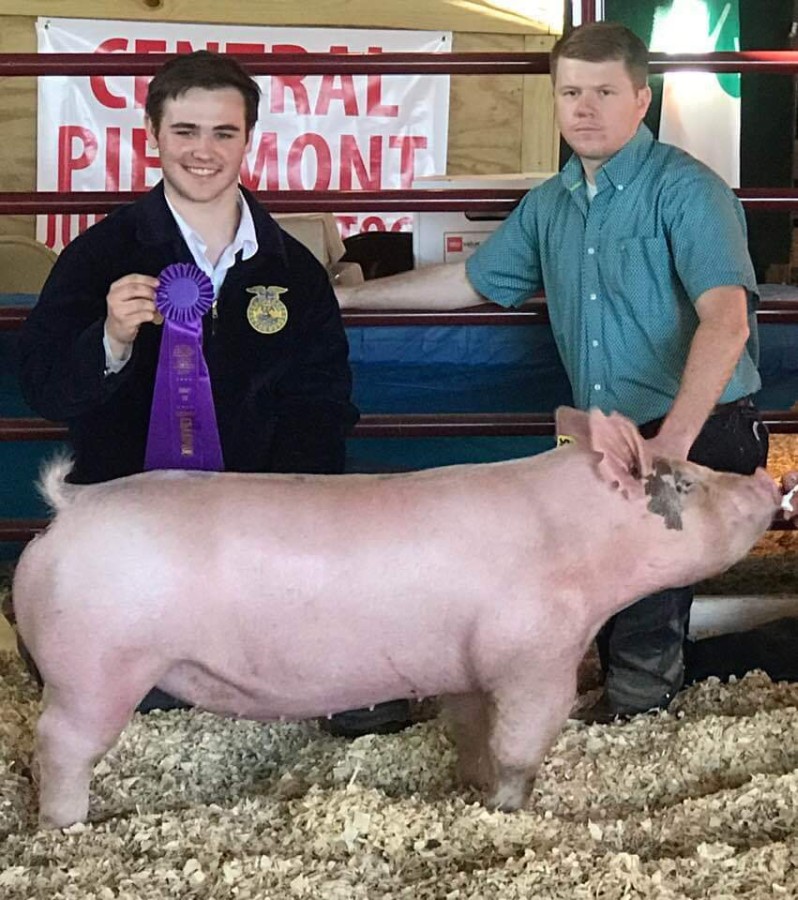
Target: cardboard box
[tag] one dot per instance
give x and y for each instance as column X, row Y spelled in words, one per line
column 346, row 274
column 317, row 231
column 451, row 236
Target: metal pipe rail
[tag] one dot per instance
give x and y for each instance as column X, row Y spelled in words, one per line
column 410, row 425
column 474, row 202
column 534, row 312
column 143, row 64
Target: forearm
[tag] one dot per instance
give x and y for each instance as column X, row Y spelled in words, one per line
column 714, row 352
column 431, row 287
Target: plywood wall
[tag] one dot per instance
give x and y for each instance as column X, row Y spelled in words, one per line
column 17, row 122
column 496, row 123
column 498, row 16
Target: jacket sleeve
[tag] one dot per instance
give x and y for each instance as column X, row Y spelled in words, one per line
column 62, row 359
column 314, row 412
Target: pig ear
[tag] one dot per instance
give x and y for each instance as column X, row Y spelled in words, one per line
column 625, row 458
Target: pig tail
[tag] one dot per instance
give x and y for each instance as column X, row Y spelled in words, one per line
column 52, row 485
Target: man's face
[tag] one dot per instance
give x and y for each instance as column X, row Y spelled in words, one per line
column 201, row 140
column 598, row 107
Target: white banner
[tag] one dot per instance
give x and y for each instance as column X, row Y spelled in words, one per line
column 323, row 132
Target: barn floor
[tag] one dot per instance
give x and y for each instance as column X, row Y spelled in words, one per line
column 699, row 802
column 6, row 636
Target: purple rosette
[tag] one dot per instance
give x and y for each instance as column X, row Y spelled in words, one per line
column 185, row 293
column 183, row 433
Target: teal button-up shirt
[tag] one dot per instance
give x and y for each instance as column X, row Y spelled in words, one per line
column 622, row 272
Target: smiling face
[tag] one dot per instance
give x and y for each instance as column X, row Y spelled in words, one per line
column 202, row 140
column 598, row 108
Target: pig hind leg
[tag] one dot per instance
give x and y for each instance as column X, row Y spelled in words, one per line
column 526, row 720
column 77, row 727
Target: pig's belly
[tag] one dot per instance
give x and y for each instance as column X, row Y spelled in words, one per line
column 235, row 693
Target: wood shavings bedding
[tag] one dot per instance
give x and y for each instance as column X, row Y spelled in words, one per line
column 698, row 802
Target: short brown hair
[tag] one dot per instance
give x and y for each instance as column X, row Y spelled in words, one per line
column 601, row 42
column 201, row 69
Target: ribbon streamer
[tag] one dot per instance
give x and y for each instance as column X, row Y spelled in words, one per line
column 183, row 433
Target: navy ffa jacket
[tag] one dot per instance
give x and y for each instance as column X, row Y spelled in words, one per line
column 282, row 400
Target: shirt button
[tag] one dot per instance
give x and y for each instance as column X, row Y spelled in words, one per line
column 591, row 251
column 595, row 344
column 592, row 296
column 620, row 187
column 596, row 387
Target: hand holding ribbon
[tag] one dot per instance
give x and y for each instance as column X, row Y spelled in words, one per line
column 183, row 433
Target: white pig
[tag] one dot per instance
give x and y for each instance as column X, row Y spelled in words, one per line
column 268, row 596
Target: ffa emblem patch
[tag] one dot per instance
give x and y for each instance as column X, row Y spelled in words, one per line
column 266, row 312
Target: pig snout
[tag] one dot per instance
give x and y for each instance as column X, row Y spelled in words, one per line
column 789, row 502
column 768, row 487
column 756, row 498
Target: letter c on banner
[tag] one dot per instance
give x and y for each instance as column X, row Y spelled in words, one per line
column 98, row 86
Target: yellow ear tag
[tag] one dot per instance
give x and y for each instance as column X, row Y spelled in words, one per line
column 563, row 439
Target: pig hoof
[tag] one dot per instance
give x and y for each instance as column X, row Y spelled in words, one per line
column 507, row 799
column 500, row 803
column 512, row 790
column 48, row 823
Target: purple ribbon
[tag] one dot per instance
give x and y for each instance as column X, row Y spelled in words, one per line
column 183, row 433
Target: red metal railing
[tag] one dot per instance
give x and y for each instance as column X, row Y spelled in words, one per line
column 77, row 64
column 535, row 312
column 496, row 202
column 409, row 425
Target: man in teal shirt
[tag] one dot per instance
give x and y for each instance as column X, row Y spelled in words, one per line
column 642, row 253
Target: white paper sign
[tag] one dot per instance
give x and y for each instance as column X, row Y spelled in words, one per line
column 323, row 132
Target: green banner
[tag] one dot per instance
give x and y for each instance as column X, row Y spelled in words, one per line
column 699, row 26
column 700, row 111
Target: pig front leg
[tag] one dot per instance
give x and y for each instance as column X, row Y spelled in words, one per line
column 527, row 717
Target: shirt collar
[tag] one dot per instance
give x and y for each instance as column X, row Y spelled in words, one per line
column 245, row 238
column 619, row 169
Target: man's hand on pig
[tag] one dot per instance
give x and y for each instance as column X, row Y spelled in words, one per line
column 663, row 446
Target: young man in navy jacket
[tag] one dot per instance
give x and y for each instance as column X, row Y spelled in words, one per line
column 89, row 350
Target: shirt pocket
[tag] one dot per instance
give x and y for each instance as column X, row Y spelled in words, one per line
column 638, row 269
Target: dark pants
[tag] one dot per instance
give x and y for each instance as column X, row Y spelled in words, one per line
column 642, row 647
